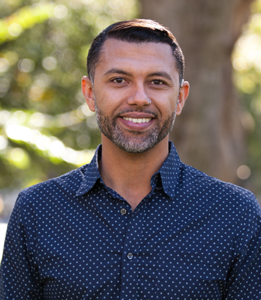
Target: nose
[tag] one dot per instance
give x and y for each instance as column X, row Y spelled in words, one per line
column 139, row 96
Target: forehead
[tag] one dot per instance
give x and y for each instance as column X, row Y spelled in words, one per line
column 148, row 54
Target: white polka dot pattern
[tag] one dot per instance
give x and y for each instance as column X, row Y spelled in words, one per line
column 191, row 237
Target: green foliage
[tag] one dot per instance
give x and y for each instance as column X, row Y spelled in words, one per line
column 247, row 64
column 26, row 17
column 46, row 128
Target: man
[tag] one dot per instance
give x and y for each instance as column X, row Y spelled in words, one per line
column 136, row 223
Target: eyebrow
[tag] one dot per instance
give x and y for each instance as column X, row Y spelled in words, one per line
column 119, row 71
column 161, row 74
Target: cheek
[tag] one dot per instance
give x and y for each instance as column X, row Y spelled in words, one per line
column 110, row 101
column 165, row 101
column 169, row 106
column 105, row 103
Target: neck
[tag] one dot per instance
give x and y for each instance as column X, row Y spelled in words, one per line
column 129, row 174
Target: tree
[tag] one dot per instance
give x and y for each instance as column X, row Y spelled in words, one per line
column 45, row 126
column 209, row 135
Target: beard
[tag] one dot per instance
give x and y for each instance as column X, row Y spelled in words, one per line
column 139, row 142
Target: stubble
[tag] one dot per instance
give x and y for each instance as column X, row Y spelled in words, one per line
column 134, row 141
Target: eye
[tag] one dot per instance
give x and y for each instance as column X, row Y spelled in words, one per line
column 119, row 80
column 157, row 82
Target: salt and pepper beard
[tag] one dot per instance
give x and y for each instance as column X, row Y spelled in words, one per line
column 145, row 142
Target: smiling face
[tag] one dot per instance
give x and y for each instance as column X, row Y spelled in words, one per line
column 135, row 93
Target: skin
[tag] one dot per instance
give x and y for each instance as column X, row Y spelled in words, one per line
column 134, row 80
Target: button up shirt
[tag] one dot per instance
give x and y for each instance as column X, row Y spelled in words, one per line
column 191, row 237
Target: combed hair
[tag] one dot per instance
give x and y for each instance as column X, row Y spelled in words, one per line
column 135, row 31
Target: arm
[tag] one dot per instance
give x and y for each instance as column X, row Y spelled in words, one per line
column 245, row 276
column 19, row 277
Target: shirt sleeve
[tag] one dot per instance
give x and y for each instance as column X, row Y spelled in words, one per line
column 19, row 278
column 245, row 275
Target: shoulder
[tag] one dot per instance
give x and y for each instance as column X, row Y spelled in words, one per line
column 64, row 185
column 222, row 194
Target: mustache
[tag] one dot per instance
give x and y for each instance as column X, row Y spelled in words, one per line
column 137, row 110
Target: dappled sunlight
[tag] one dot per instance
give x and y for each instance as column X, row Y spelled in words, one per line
column 26, row 127
column 246, row 60
column 51, row 145
column 26, row 17
column 3, row 227
column 46, row 128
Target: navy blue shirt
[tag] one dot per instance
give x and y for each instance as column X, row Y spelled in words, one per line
column 191, row 237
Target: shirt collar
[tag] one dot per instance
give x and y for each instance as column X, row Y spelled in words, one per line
column 90, row 173
column 169, row 172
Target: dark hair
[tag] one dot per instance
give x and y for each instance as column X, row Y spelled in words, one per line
column 135, row 31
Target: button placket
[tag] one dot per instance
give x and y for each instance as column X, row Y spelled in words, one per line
column 130, row 259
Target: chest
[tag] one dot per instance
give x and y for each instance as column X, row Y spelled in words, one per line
column 123, row 255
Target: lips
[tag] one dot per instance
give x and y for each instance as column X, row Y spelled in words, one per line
column 137, row 121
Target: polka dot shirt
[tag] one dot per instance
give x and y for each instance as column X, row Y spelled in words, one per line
column 191, row 237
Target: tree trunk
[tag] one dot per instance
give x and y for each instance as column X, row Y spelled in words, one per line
column 208, row 134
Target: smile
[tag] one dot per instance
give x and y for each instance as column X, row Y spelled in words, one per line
column 137, row 120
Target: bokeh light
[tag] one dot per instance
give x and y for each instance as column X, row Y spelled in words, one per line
column 26, row 65
column 243, row 172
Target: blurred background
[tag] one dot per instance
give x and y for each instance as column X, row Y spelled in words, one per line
column 46, row 128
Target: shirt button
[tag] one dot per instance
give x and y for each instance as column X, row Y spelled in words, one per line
column 130, row 256
column 123, row 211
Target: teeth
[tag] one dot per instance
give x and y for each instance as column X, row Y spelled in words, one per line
column 135, row 120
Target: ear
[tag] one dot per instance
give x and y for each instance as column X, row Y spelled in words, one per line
column 183, row 95
column 87, row 90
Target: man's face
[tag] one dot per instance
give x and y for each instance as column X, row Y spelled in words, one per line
column 135, row 93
